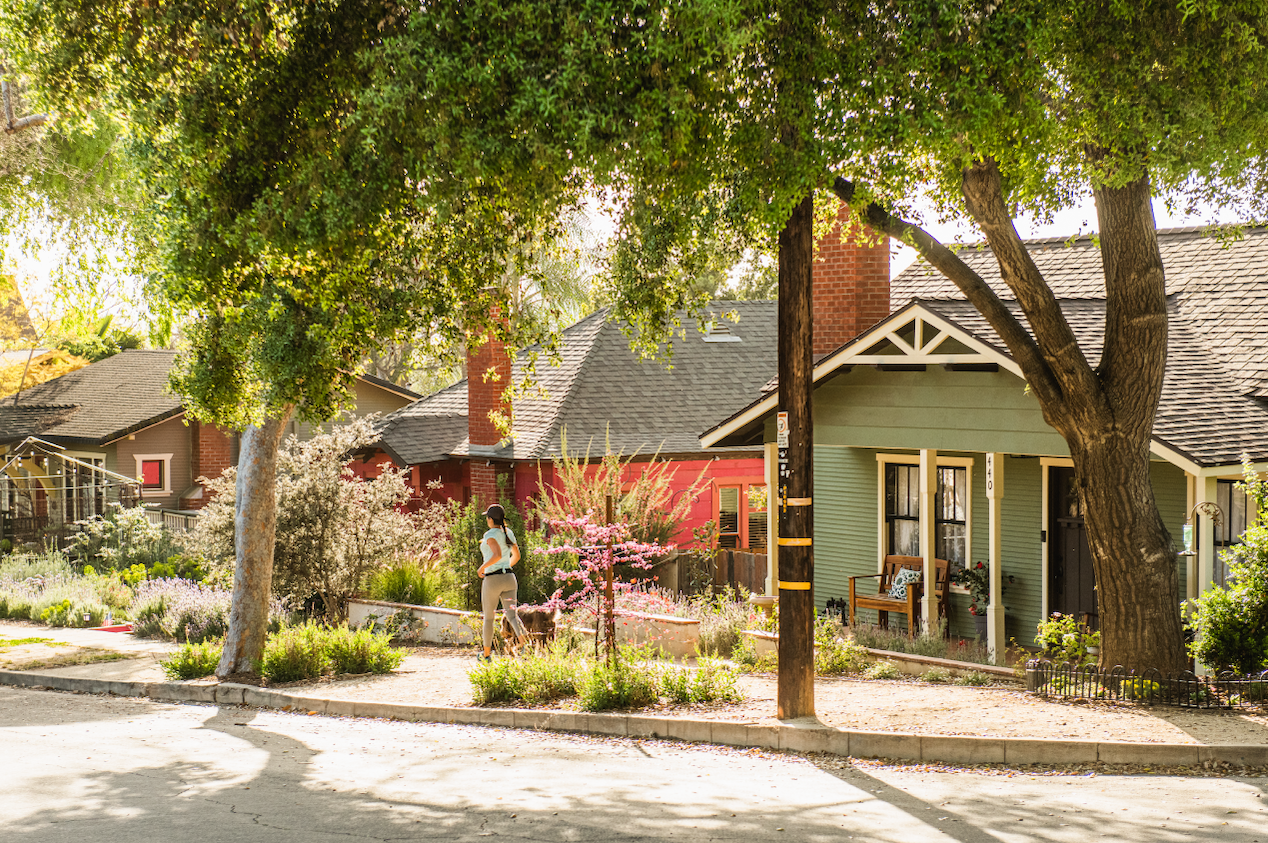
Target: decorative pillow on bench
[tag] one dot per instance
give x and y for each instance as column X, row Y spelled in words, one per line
column 898, row 588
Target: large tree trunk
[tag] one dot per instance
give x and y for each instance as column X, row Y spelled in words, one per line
column 254, row 526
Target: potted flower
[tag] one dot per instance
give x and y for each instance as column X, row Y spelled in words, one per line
column 977, row 579
column 1064, row 639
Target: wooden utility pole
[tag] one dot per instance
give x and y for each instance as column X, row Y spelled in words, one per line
column 796, row 695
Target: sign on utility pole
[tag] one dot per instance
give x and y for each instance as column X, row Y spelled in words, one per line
column 795, row 694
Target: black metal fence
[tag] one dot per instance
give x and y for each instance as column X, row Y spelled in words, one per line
column 1151, row 686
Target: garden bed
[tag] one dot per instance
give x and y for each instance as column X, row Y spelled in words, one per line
column 676, row 636
column 767, row 643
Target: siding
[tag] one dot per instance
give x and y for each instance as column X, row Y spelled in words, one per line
column 1021, row 550
column 170, row 437
column 1171, row 493
column 369, row 399
column 845, row 519
column 951, row 411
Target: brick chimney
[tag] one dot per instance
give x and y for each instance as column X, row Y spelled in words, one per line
column 488, row 375
column 851, row 285
column 211, row 454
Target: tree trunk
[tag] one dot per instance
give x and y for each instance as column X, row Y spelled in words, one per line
column 796, row 692
column 254, row 525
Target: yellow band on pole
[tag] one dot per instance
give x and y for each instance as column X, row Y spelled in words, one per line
column 794, row 586
column 795, row 542
column 799, row 501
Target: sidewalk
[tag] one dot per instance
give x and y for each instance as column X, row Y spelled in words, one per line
column 898, row 719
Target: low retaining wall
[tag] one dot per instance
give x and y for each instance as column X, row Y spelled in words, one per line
column 912, row 665
column 441, row 626
column 793, row 736
column 676, row 636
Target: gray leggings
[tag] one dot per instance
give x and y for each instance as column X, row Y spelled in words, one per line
column 503, row 587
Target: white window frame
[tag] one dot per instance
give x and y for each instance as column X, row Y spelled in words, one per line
column 167, row 473
column 882, row 535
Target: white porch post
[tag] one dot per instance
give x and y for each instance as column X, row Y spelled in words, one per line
column 995, row 635
column 770, row 468
column 1190, row 562
column 1207, row 487
column 928, row 500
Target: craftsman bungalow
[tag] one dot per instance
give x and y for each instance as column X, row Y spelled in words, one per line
column 112, row 431
column 927, row 442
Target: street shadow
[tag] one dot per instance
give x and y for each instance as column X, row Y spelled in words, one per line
column 28, row 708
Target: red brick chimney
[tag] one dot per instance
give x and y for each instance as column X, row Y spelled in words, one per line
column 488, row 375
column 212, row 453
column 851, row 285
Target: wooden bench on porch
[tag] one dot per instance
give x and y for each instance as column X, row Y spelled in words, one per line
column 884, row 604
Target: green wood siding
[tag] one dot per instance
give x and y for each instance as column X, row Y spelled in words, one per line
column 1171, row 494
column 1021, row 548
column 845, row 519
column 950, row 411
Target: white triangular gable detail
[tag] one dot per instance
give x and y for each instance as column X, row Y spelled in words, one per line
column 915, row 336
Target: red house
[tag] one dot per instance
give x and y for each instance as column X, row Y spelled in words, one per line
column 602, row 395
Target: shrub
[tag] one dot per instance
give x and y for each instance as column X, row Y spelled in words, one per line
column 1064, row 639
column 711, row 681
column 295, row 653
column 974, row 678
column 360, row 651
column 1231, row 621
column 883, row 670
column 723, row 619
column 69, row 613
column 24, row 566
column 184, row 611
column 936, row 675
column 121, row 538
column 629, row 682
column 405, row 582
column 749, row 661
column 192, row 661
column 334, row 529
column 539, row 677
column 834, row 654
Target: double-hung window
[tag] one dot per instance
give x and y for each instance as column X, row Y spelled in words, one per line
column 950, row 515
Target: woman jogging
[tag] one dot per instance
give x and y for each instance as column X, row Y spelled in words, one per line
column 501, row 553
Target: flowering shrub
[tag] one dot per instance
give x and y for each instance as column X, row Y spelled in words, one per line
column 977, row 579
column 186, row 611
column 121, row 538
column 598, row 551
column 62, row 599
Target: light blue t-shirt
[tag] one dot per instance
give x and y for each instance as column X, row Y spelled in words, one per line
column 495, row 533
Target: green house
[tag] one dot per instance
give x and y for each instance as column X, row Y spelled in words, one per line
column 928, row 443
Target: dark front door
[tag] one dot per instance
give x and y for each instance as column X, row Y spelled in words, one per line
column 1071, row 581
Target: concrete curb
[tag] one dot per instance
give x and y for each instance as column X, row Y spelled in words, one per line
column 806, row 736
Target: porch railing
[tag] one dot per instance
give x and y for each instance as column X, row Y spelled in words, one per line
column 173, row 520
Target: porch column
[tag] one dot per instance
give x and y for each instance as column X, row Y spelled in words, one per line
column 928, row 501
column 1205, row 529
column 770, row 470
column 1190, row 562
column 995, row 635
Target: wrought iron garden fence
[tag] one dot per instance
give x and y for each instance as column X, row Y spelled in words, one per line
column 1150, row 686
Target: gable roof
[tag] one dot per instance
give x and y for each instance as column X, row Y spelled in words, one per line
column 1213, row 406
column 602, row 392
column 1217, row 286
column 100, row 403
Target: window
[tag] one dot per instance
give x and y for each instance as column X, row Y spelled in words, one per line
column 154, row 471
column 950, row 516
column 729, row 516
column 757, row 518
column 902, row 509
column 1233, row 503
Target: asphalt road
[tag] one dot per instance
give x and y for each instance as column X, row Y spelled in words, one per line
column 83, row 768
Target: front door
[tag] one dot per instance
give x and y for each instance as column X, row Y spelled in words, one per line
column 1071, row 581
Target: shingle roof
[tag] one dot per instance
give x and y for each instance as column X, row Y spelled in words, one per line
column 1218, row 288
column 602, row 393
column 113, row 397
column 1207, row 419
